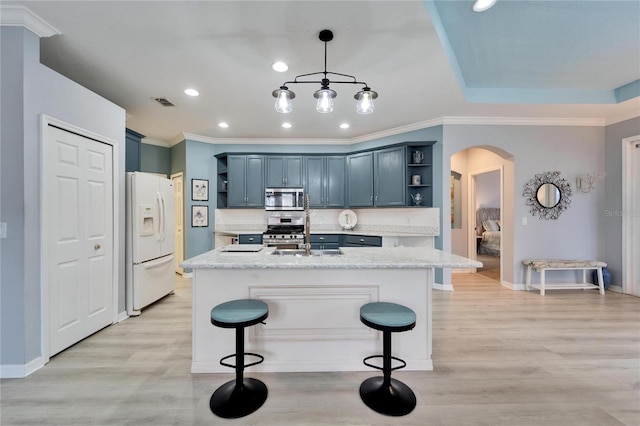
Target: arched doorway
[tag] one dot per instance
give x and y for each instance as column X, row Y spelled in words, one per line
column 485, row 193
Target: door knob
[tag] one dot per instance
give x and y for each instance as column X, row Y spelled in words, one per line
column 96, row 247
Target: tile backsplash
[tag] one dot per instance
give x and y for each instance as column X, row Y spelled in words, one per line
column 421, row 221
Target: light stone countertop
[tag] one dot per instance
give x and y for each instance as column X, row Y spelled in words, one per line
column 353, row 258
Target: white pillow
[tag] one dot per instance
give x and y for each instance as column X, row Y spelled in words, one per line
column 490, row 225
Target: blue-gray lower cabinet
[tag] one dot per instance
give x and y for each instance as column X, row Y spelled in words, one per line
column 362, row 241
column 325, row 241
column 250, row 239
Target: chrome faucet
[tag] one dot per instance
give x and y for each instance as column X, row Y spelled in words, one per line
column 307, row 226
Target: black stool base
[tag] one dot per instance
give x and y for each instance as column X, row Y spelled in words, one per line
column 396, row 399
column 231, row 402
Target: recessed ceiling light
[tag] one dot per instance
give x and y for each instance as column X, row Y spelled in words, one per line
column 280, row 66
column 223, row 125
column 191, row 92
column 286, row 125
column 482, row 5
column 344, row 126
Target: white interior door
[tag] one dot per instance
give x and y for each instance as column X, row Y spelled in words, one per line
column 179, row 219
column 635, row 219
column 78, row 236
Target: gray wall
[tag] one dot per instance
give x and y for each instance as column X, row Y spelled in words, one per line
column 611, row 225
column 536, row 149
column 155, row 159
column 30, row 89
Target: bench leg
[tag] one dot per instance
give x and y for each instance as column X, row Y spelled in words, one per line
column 600, row 281
column 542, row 271
column 528, row 281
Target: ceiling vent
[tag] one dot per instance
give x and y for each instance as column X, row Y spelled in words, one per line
column 163, row 101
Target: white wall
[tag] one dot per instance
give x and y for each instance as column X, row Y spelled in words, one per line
column 488, row 190
column 36, row 90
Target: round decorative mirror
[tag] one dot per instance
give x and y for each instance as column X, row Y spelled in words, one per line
column 548, row 195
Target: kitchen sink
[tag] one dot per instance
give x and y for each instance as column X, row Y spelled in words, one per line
column 300, row 253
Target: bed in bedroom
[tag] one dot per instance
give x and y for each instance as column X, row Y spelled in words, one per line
column 488, row 230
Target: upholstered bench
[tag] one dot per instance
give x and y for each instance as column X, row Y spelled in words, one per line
column 543, row 265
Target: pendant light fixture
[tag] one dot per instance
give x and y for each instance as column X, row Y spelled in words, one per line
column 284, row 96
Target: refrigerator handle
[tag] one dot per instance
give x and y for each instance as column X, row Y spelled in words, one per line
column 164, row 217
column 160, row 215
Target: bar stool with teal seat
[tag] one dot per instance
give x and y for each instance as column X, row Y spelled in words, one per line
column 242, row 396
column 383, row 394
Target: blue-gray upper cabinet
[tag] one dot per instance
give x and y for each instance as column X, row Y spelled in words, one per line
column 377, row 178
column 245, row 187
column 325, row 181
column 389, row 177
column 360, row 179
column 284, row 171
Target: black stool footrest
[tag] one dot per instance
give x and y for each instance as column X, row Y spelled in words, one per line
column 226, row 364
column 403, row 365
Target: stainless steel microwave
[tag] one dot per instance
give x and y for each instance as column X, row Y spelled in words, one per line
column 284, row 199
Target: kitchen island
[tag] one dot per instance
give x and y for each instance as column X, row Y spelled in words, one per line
column 314, row 303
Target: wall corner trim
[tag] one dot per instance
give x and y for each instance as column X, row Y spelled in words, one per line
column 20, row 16
column 20, row 371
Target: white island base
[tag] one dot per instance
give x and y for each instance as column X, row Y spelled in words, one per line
column 314, row 317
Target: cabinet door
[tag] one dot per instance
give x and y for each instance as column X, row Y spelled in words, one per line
column 293, row 172
column 284, row 171
column 335, row 181
column 314, row 177
column 360, row 179
column 389, row 177
column 237, row 174
column 255, row 181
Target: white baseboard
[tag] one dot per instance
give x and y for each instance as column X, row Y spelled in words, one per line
column 187, row 275
column 20, row 371
column 512, row 286
column 443, row 287
column 616, row 288
column 122, row 316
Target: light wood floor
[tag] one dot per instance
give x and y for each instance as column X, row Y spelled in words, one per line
column 501, row 358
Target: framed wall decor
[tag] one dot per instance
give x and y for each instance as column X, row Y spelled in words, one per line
column 199, row 190
column 199, row 216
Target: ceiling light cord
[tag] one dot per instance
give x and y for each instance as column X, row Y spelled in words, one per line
column 325, row 95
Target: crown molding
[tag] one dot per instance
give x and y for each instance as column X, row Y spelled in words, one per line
column 525, row 121
column 462, row 121
column 156, row 142
column 255, row 141
column 398, row 130
column 20, row 16
column 624, row 117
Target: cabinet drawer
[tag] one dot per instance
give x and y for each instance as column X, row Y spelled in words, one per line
column 325, row 238
column 362, row 240
column 250, row 238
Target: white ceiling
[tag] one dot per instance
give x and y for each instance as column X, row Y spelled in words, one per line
column 427, row 60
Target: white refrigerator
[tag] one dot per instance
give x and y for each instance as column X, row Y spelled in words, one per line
column 150, row 240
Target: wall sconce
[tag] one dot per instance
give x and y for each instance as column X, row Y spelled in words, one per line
column 587, row 181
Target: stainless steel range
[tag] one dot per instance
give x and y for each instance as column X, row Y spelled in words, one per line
column 285, row 229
